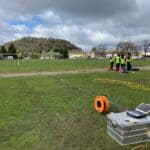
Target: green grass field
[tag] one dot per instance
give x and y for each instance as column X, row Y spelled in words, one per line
column 49, row 65
column 56, row 65
column 56, row 113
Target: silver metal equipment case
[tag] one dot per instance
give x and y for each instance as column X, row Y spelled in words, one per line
column 128, row 130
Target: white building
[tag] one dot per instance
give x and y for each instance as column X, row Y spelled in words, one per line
column 147, row 54
column 76, row 54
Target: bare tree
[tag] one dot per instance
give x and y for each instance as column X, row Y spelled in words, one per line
column 93, row 49
column 102, row 49
column 145, row 46
column 126, row 47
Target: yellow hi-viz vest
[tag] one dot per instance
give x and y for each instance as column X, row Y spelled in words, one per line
column 122, row 61
column 128, row 59
column 111, row 59
column 117, row 60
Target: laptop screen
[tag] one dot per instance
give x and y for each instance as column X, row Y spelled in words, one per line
column 144, row 107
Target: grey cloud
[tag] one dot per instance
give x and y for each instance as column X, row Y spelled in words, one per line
column 87, row 22
column 24, row 6
column 76, row 8
column 94, row 8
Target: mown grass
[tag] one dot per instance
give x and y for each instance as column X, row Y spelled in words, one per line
column 57, row 65
column 56, row 113
column 49, row 65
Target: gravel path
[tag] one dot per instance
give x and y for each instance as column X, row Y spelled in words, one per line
column 52, row 73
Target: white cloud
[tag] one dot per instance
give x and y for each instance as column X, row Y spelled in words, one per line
column 71, row 33
column 50, row 17
column 78, row 35
column 103, row 37
column 9, row 32
column 20, row 31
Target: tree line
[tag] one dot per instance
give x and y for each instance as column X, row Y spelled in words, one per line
column 121, row 47
column 126, row 47
column 12, row 51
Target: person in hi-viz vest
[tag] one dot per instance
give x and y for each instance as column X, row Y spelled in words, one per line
column 128, row 61
column 117, row 61
column 111, row 60
column 123, row 61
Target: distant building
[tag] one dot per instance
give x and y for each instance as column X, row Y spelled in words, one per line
column 108, row 55
column 76, row 54
column 97, row 55
column 26, row 58
column 44, row 57
column 10, row 58
column 147, row 54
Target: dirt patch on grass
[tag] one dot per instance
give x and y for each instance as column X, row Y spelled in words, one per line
column 52, row 73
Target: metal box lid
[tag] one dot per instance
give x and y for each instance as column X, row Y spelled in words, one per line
column 123, row 120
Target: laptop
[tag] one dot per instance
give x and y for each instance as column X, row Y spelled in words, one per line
column 140, row 111
column 144, row 108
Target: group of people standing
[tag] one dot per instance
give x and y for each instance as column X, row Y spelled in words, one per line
column 122, row 62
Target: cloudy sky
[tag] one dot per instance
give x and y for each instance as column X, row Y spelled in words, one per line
column 85, row 23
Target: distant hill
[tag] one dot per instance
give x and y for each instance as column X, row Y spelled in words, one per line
column 41, row 44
